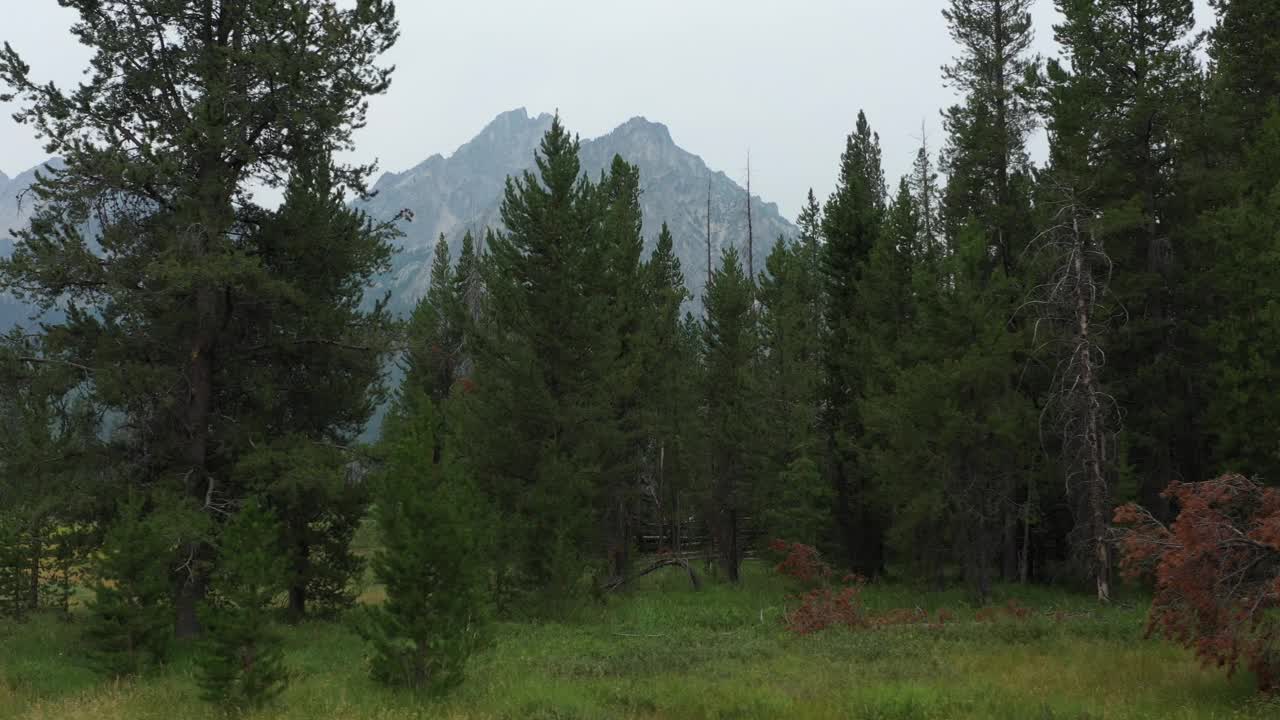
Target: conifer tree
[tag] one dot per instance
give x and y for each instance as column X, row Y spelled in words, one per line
column 622, row 333
column 468, row 299
column 184, row 108
column 730, row 363
column 435, row 337
column 985, row 157
column 51, row 459
column 851, row 224
column 667, row 386
column 1127, row 86
column 989, row 176
column 241, row 664
column 1236, row 238
column 795, row 499
column 130, row 624
column 313, row 331
column 536, row 420
column 433, row 557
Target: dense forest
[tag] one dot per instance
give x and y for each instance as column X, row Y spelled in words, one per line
column 949, row 379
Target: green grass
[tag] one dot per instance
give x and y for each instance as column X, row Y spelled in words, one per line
column 664, row 651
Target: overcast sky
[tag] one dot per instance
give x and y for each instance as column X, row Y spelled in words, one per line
column 782, row 78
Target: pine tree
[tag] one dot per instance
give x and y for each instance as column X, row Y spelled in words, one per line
column 1128, row 86
column 50, row 462
column 130, row 624
column 433, row 557
column 851, row 224
column 540, row 410
column 951, row 431
column 730, row 359
column 989, row 177
column 468, row 294
column 313, row 331
column 622, row 333
column 241, row 664
column 1236, row 238
column 435, row 336
column 667, row 384
column 795, row 499
column 184, row 108
column 985, row 157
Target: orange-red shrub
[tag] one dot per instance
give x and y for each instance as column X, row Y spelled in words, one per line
column 1216, row 570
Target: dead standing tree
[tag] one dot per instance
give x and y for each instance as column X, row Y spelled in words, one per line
column 1072, row 305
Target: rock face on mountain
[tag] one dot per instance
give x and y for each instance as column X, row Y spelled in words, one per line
column 464, row 192
column 16, row 203
column 15, row 209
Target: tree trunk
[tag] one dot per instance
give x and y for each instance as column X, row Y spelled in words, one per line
column 37, row 549
column 297, row 611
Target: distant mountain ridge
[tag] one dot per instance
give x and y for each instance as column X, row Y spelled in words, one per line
column 463, row 192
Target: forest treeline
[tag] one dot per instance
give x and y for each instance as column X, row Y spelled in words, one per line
column 942, row 381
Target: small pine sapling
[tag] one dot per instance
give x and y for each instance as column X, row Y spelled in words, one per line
column 430, row 522
column 130, row 625
column 241, row 662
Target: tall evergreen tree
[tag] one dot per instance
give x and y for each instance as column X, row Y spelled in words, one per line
column 1234, row 270
column 1131, row 80
column 539, row 412
column 794, row 498
column 667, row 383
column 621, row 331
column 312, row 331
column 851, row 224
column 989, row 173
column 730, row 359
column 185, row 106
column 985, row 157
column 435, row 334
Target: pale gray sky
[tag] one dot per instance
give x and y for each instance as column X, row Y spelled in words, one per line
column 782, row 78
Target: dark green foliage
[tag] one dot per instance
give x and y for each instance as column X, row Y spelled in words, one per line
column 547, row 421
column 241, row 663
column 310, row 488
column 191, row 305
column 130, row 623
column 985, row 156
column 794, row 497
column 733, row 423
column 434, row 557
column 852, row 225
column 953, row 432
column 668, row 411
column 1122, row 99
column 49, row 468
column 435, row 330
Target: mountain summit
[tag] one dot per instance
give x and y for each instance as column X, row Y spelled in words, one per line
column 463, row 192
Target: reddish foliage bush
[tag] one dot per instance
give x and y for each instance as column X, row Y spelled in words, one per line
column 1216, row 571
column 827, row 603
column 801, row 562
column 822, row 608
column 821, row 605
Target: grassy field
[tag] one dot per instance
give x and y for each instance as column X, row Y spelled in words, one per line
column 664, row 651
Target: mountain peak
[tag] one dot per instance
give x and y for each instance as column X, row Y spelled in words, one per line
column 3, row 178
column 640, row 125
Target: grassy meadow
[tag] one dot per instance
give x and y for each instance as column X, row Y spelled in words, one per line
column 663, row 650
